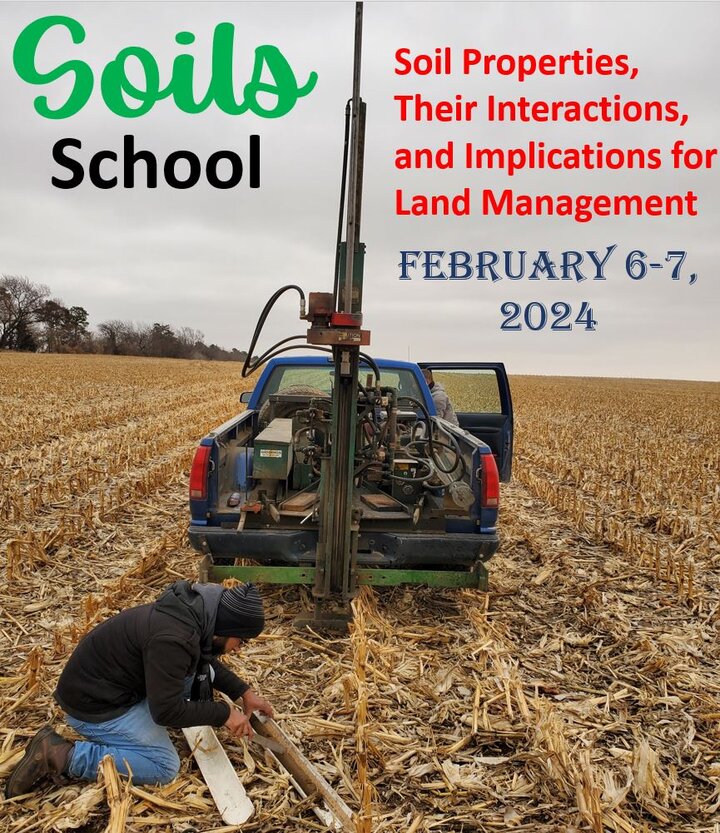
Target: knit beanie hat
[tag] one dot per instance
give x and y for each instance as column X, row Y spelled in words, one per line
column 240, row 613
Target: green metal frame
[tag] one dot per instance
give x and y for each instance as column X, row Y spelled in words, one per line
column 376, row 577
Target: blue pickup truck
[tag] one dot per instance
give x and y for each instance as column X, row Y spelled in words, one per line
column 426, row 492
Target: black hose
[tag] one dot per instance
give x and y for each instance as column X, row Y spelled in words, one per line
column 375, row 463
column 263, row 358
column 247, row 369
column 373, row 366
column 363, row 391
column 293, row 347
column 414, row 479
column 426, row 414
column 458, row 454
column 430, row 441
column 366, row 465
column 424, row 410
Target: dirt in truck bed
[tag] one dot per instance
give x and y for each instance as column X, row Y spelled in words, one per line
column 581, row 693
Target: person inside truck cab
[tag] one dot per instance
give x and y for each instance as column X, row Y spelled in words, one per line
column 443, row 406
column 144, row 669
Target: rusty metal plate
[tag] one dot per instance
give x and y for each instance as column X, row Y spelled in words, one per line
column 382, row 503
column 299, row 503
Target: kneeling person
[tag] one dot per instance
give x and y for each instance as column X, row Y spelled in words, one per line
column 147, row 668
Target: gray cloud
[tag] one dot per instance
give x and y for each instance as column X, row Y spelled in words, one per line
column 209, row 259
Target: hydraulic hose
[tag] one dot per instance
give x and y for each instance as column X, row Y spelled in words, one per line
column 460, row 459
column 430, row 441
column 373, row 366
column 269, row 355
column 455, row 448
column 261, row 360
column 249, row 368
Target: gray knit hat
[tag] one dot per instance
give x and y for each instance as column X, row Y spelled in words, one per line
column 240, row 613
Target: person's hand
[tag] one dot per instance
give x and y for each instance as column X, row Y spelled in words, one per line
column 254, row 702
column 238, row 724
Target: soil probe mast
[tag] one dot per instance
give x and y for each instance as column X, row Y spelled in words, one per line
column 335, row 481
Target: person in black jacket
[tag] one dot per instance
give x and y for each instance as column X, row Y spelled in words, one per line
column 147, row 668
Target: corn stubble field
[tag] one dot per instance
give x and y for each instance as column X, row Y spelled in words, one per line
column 581, row 693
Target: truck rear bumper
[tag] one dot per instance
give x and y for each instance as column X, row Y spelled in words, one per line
column 377, row 549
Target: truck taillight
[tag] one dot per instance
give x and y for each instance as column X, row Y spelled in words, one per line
column 199, row 473
column 490, row 483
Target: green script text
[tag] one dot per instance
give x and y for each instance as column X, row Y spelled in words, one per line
column 279, row 93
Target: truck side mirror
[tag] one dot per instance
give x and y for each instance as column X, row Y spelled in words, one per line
column 245, row 397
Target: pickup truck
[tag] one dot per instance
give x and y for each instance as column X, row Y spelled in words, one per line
column 426, row 492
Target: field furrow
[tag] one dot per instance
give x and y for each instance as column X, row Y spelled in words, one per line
column 90, row 465
column 49, row 455
column 581, row 693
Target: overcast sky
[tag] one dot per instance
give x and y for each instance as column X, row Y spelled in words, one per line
column 208, row 258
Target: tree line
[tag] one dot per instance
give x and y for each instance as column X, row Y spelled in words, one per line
column 31, row 320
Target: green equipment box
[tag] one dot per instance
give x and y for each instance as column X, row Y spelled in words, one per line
column 273, row 455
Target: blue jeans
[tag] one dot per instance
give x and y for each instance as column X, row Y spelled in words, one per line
column 135, row 738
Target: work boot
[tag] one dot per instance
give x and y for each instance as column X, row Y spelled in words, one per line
column 46, row 756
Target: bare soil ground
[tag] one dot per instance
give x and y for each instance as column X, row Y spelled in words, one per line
column 581, row 693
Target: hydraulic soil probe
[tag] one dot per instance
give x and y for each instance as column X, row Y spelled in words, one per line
column 335, row 322
column 339, row 473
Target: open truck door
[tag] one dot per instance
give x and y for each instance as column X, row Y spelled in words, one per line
column 480, row 395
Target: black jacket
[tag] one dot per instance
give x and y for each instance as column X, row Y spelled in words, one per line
column 148, row 652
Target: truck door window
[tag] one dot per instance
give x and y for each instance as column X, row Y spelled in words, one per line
column 471, row 391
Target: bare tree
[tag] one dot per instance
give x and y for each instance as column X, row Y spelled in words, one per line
column 188, row 338
column 112, row 334
column 21, row 303
column 31, row 320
